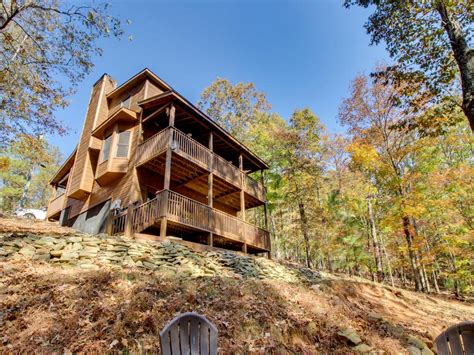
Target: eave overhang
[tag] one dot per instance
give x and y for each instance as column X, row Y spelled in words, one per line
column 64, row 169
column 122, row 114
column 172, row 95
column 144, row 74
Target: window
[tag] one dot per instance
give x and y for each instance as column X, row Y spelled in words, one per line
column 126, row 103
column 60, row 190
column 106, row 148
column 122, row 145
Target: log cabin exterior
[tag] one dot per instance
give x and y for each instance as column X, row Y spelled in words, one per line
column 149, row 161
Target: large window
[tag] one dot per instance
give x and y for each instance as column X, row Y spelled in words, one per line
column 123, row 144
column 106, row 148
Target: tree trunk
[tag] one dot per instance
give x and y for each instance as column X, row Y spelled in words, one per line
column 375, row 242
column 427, row 280
column 304, row 230
column 324, row 229
column 389, row 265
column 411, row 253
column 464, row 57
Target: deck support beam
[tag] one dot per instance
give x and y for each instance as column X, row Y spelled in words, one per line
column 265, row 208
column 210, row 184
column 167, row 178
column 242, row 182
column 128, row 221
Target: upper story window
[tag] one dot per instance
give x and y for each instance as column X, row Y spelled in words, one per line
column 123, row 144
column 60, row 190
column 126, row 102
column 106, row 147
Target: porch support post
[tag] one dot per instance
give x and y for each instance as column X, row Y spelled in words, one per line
column 210, row 179
column 110, row 219
column 140, row 128
column 167, row 177
column 242, row 182
column 265, row 210
column 210, row 183
column 128, row 221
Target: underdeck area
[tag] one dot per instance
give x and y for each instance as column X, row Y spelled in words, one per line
column 191, row 179
column 189, row 234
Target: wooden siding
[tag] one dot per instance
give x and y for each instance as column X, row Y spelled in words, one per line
column 55, row 205
column 82, row 178
column 126, row 188
column 152, row 90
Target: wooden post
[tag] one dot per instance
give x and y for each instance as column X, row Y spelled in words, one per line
column 244, row 248
column 265, row 209
column 210, row 187
column 210, row 179
column 128, row 221
column 242, row 185
column 167, row 177
column 172, row 113
column 108, row 223
column 140, row 128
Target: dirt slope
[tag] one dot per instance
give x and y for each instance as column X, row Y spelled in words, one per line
column 58, row 307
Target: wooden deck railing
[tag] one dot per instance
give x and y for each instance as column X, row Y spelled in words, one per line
column 192, row 150
column 119, row 220
column 254, row 188
column 227, row 171
column 55, row 205
column 153, row 146
column 186, row 211
column 148, row 213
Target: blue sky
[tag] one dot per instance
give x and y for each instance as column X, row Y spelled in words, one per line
column 301, row 53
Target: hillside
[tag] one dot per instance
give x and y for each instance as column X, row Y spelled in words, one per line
column 67, row 292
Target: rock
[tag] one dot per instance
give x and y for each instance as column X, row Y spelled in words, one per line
column 351, row 335
column 363, row 348
column 74, row 239
column 69, row 255
column 44, row 256
column 413, row 350
column 395, row 329
column 76, row 246
column 375, row 317
column 56, row 253
column 27, row 250
column 89, row 266
column 416, row 342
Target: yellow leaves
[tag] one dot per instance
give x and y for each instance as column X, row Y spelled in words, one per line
column 364, row 155
column 4, row 164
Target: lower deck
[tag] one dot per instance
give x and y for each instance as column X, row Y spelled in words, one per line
column 189, row 220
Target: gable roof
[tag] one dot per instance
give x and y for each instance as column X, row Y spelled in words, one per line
column 144, row 74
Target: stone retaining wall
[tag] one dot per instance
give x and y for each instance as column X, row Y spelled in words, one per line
column 89, row 252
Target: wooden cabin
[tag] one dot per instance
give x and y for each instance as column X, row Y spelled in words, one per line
column 149, row 162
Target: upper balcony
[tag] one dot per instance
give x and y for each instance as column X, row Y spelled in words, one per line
column 190, row 149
